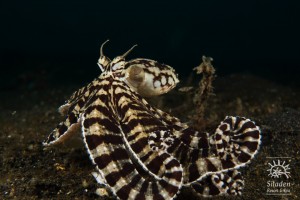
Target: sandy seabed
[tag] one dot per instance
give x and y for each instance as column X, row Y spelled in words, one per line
column 29, row 171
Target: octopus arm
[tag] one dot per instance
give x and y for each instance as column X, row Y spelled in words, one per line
column 221, row 184
column 233, row 145
column 65, row 129
column 109, row 148
column 72, row 112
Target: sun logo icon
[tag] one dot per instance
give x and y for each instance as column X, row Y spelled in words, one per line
column 279, row 169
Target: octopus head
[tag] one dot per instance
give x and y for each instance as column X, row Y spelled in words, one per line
column 150, row 78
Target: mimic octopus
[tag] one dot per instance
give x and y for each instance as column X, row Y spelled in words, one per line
column 141, row 152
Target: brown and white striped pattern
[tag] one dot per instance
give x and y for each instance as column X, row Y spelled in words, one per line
column 142, row 152
column 72, row 109
column 121, row 160
column 229, row 183
column 236, row 140
column 234, row 144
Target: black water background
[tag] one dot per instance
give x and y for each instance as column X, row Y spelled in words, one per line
column 47, row 43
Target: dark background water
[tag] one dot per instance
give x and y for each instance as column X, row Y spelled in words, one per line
column 57, row 42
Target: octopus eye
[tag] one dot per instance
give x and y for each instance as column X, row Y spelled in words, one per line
column 103, row 62
column 118, row 62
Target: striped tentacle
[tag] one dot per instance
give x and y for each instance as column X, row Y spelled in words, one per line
column 79, row 97
column 68, row 127
column 191, row 159
column 138, row 124
column 190, row 147
column 110, row 151
column 234, row 144
column 76, row 98
column 185, row 134
column 72, row 110
column 229, row 183
column 64, row 130
column 158, row 163
column 236, row 140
